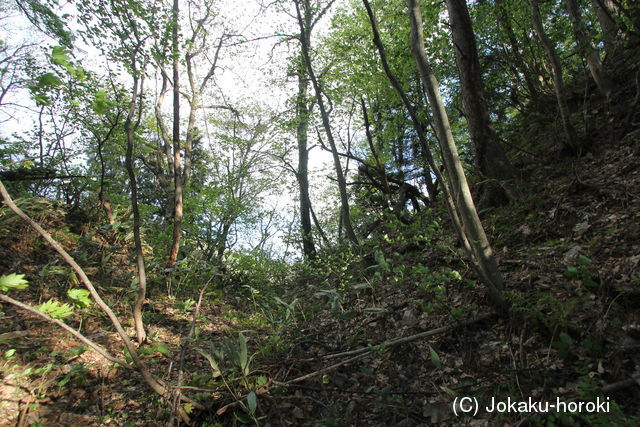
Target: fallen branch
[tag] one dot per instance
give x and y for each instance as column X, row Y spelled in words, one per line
column 97, row 347
column 403, row 340
column 152, row 381
column 357, row 355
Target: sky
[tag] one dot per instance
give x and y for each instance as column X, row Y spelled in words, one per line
column 251, row 73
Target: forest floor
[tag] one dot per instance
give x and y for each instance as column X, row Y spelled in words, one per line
column 569, row 248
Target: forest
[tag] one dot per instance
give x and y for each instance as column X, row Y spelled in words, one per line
column 319, row 212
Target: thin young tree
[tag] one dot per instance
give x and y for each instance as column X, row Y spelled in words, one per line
column 588, row 50
column 570, row 143
column 303, row 112
column 471, row 226
column 306, row 22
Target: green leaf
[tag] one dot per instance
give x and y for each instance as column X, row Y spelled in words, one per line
column 55, row 309
column 49, row 80
column 162, row 348
column 252, row 402
column 214, row 364
column 12, row 281
column 379, row 256
column 80, row 297
column 187, row 407
column 583, row 260
column 101, row 102
column 60, row 56
column 243, row 358
column 435, row 359
column 455, row 274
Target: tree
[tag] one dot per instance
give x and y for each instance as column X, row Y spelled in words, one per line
column 125, row 40
column 177, row 175
column 571, row 143
column 589, row 52
column 471, row 225
column 491, row 160
column 303, row 112
column 306, row 22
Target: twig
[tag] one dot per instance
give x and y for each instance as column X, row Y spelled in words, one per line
column 97, row 347
column 324, row 370
column 151, row 380
column 406, row 339
column 358, row 354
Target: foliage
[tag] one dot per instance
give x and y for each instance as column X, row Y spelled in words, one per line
column 55, row 309
column 12, row 282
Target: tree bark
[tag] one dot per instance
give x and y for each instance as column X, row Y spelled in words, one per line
column 130, row 126
column 605, row 11
column 571, row 143
column 305, row 41
column 450, row 203
column 302, row 116
column 589, row 51
column 177, row 174
column 483, row 254
column 491, row 159
column 165, row 176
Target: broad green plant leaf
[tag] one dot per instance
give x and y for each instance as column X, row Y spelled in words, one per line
column 48, row 80
column 435, row 359
column 243, row 355
column 61, row 56
column 80, row 297
column 12, row 281
column 162, row 348
column 55, row 309
column 212, row 361
column 252, row 402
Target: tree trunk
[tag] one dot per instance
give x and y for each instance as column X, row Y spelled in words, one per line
column 491, row 160
column 302, row 116
column 305, row 42
column 571, row 143
column 177, row 175
column 165, row 176
column 450, row 204
column 589, row 51
column 605, row 12
column 483, row 254
column 504, row 21
column 130, row 126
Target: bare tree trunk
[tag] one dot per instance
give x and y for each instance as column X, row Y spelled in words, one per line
column 177, row 175
column 571, row 144
column 374, row 153
column 305, row 41
column 130, row 126
column 589, row 51
column 302, row 115
column 472, row 226
column 491, row 159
